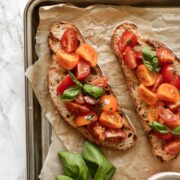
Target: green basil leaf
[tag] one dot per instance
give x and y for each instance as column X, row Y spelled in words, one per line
column 92, row 90
column 62, row 177
column 73, row 77
column 159, row 127
column 150, row 59
column 176, row 131
column 74, row 165
column 99, row 166
column 70, row 93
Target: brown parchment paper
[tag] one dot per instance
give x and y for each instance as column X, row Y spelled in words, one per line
column 97, row 24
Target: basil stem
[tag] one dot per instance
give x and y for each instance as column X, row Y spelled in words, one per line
column 159, row 127
column 99, row 166
column 176, row 131
column 92, row 90
column 74, row 165
column 73, row 77
column 70, row 93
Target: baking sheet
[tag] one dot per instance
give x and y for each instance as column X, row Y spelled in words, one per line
column 97, row 30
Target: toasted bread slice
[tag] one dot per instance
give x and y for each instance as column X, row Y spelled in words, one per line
column 56, row 75
column 133, row 83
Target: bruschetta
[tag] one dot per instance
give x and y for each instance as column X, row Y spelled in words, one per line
column 81, row 92
column 150, row 70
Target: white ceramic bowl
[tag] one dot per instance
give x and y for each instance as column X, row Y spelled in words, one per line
column 165, row 176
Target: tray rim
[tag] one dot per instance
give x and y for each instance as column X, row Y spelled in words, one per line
column 32, row 4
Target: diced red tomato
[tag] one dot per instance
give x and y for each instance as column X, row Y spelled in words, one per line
column 111, row 120
column 76, row 108
column 165, row 55
column 173, row 147
column 98, row 131
column 85, row 119
column 146, row 95
column 66, row 83
column 168, row 92
column 100, row 82
column 128, row 38
column 166, row 137
column 159, row 81
column 90, row 100
column 80, row 99
column 83, row 70
column 69, row 41
column 174, row 106
column 88, row 54
column 167, row 72
column 67, row 60
column 109, row 103
column 176, row 81
column 139, row 57
column 166, row 115
column 129, row 58
column 145, row 76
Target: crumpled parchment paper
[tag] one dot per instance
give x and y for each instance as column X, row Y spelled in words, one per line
column 97, row 23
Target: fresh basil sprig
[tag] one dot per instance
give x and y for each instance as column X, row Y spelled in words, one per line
column 70, row 93
column 159, row 127
column 74, row 165
column 176, row 131
column 62, row 177
column 150, row 59
column 92, row 90
column 99, row 166
column 73, row 77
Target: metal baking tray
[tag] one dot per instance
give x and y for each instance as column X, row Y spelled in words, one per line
column 38, row 130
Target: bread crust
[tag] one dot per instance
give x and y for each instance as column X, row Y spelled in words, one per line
column 133, row 83
column 55, row 76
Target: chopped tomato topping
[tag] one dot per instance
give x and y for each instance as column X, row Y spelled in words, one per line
column 69, row 41
column 145, row 76
column 146, row 95
column 83, row 70
column 167, row 72
column 176, row 81
column 165, row 55
column 67, row 60
column 168, row 92
column 80, row 99
column 88, row 53
column 108, row 103
column 76, row 108
column 128, row 38
column 139, row 57
column 173, row 147
column 111, row 120
column 100, row 82
column 129, row 58
column 166, row 137
column 85, row 119
column 66, row 82
column 99, row 131
column 90, row 100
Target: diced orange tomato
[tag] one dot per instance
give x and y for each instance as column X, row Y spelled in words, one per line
column 165, row 55
column 168, row 92
column 111, row 120
column 145, row 76
column 109, row 103
column 85, row 119
column 146, row 95
column 67, row 60
column 88, row 53
column 153, row 111
column 173, row 147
